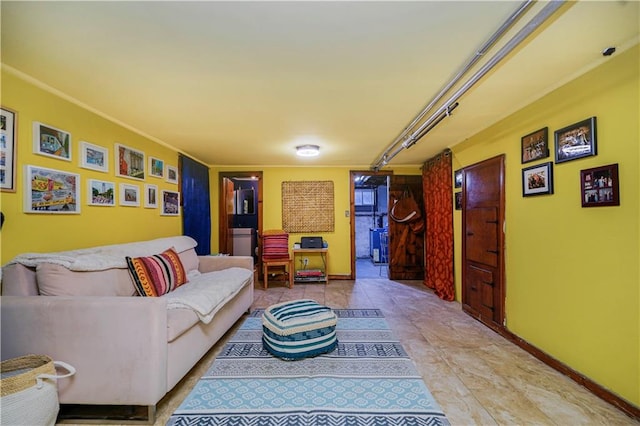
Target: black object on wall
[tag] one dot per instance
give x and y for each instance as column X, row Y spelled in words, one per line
column 196, row 205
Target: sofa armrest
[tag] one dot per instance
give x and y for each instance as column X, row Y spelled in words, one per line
column 218, row 263
column 118, row 345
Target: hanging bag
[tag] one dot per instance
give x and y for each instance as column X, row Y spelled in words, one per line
column 30, row 391
column 406, row 210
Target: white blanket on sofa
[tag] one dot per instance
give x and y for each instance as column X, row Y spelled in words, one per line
column 206, row 293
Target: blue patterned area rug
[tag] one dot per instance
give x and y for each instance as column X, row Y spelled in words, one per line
column 368, row 380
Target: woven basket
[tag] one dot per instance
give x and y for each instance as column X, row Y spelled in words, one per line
column 29, row 393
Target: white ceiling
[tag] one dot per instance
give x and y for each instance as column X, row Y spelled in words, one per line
column 241, row 83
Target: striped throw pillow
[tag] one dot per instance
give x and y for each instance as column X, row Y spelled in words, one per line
column 158, row 274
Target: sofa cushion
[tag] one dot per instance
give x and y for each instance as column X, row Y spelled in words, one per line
column 158, row 274
column 18, row 280
column 56, row 280
column 179, row 321
column 189, row 259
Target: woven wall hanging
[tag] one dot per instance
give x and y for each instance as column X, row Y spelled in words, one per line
column 307, row 206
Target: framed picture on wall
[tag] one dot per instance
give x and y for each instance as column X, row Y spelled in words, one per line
column 172, row 174
column 129, row 195
column 170, row 203
column 94, row 157
column 150, row 196
column 8, row 129
column 535, row 146
column 457, row 178
column 576, row 141
column 458, row 200
column 51, row 191
column 537, row 180
column 101, row 193
column 599, row 186
column 156, row 167
column 129, row 162
column 51, row 142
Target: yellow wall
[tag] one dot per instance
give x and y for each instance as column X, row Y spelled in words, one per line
column 95, row 225
column 339, row 241
column 572, row 274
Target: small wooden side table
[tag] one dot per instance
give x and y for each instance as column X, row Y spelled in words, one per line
column 324, row 254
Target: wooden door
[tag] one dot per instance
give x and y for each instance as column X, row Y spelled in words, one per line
column 406, row 249
column 483, row 241
column 226, row 215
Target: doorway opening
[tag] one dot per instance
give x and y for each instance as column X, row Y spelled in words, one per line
column 240, row 213
column 369, row 224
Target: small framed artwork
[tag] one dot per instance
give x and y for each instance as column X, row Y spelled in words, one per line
column 101, row 193
column 535, row 146
column 150, row 196
column 576, row 141
column 94, row 157
column 172, row 174
column 51, row 191
column 129, row 195
column 51, row 142
column 599, row 186
column 457, row 179
column 170, row 203
column 156, row 167
column 129, row 162
column 8, row 137
column 537, row 180
column 458, row 200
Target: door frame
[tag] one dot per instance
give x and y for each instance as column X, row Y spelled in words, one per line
column 352, row 210
column 223, row 232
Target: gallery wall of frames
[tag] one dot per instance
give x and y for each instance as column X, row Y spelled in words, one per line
column 599, row 186
column 61, row 191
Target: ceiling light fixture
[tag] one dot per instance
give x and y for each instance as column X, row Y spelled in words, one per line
column 307, row 150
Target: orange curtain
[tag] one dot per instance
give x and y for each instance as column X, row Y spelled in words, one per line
column 436, row 186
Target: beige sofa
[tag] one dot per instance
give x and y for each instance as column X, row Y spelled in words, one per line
column 81, row 307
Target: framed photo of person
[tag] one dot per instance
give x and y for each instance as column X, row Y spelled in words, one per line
column 535, row 146
column 599, row 186
column 576, row 141
column 537, row 180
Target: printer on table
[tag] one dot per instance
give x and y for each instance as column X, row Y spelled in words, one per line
column 311, row 242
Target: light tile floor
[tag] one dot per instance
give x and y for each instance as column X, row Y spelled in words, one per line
column 476, row 376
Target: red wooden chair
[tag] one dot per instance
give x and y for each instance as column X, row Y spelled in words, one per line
column 275, row 254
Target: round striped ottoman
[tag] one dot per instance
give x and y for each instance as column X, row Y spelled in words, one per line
column 299, row 329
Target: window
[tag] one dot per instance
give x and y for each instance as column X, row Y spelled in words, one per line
column 364, row 197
